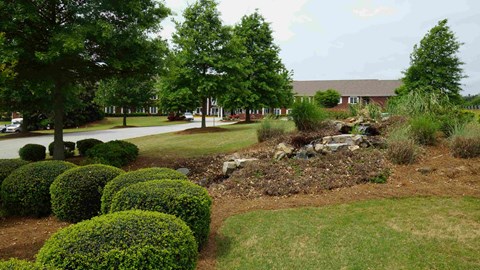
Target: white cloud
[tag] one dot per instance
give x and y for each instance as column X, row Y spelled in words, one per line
column 371, row 12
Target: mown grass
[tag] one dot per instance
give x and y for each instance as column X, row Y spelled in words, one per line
column 111, row 122
column 413, row 233
column 176, row 145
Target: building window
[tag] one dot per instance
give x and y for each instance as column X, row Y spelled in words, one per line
column 153, row 110
column 340, row 101
column 353, row 100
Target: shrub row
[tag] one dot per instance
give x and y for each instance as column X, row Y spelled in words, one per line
column 69, row 148
column 114, row 153
column 7, row 166
column 37, row 152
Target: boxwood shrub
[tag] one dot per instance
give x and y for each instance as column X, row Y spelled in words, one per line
column 84, row 145
column 133, row 177
column 182, row 199
column 123, row 240
column 32, row 152
column 69, row 149
column 114, row 153
column 26, row 191
column 15, row 264
column 7, row 166
column 76, row 193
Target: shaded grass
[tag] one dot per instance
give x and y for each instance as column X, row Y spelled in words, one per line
column 413, row 233
column 194, row 145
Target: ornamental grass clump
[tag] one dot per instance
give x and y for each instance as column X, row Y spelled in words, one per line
column 182, row 199
column 124, row 240
column 401, row 148
column 269, row 129
column 133, row 177
column 465, row 141
column 424, row 130
column 308, row 116
column 26, row 191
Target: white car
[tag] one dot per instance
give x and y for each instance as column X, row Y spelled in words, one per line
column 188, row 116
column 13, row 128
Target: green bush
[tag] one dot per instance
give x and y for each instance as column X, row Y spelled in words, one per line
column 182, row 199
column 465, row 141
column 328, row 98
column 124, row 240
column 15, row 264
column 114, row 153
column 424, row 130
column 401, row 149
column 69, row 148
column 450, row 121
column 84, row 145
column 133, row 177
column 307, row 116
column 32, row 152
column 26, row 191
column 76, row 193
column 270, row 129
column 7, row 166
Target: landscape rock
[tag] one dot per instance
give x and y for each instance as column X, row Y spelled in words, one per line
column 240, row 163
column 353, row 147
column 279, row 155
column 184, row 171
column 285, row 148
column 334, row 147
column 229, row 167
column 425, row 170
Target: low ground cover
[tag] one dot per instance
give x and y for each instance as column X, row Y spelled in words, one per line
column 414, row 233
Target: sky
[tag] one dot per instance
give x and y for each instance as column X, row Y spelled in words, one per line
column 355, row 39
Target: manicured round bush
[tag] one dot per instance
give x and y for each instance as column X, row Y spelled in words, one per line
column 26, row 191
column 124, row 240
column 69, row 148
column 15, row 264
column 7, row 166
column 32, row 152
column 76, row 193
column 114, row 153
column 84, row 145
column 182, row 199
column 133, row 177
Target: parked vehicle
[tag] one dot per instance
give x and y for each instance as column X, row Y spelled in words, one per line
column 3, row 129
column 13, row 128
column 188, row 116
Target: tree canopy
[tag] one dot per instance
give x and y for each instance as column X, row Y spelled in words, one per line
column 435, row 65
column 61, row 45
column 328, row 98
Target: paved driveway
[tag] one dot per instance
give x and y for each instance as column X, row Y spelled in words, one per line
column 9, row 147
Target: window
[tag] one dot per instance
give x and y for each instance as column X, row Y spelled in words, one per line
column 340, row 101
column 353, row 100
column 153, row 110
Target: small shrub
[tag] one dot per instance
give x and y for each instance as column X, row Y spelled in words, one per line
column 15, row 264
column 7, row 166
column 401, row 149
column 328, row 98
column 182, row 199
column 381, row 178
column 338, row 115
column 84, row 145
column 133, row 177
column 124, row 240
column 76, row 193
column 270, row 129
column 26, row 191
column 307, row 116
column 32, row 152
column 374, row 110
column 450, row 121
column 465, row 142
column 114, row 153
column 424, row 130
column 69, row 148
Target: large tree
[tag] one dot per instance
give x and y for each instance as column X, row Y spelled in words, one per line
column 202, row 45
column 264, row 82
column 62, row 45
column 435, row 65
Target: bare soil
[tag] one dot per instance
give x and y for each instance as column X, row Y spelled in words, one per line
column 436, row 174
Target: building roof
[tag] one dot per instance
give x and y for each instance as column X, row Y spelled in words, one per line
column 362, row 88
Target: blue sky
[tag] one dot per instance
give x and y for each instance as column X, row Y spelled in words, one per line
column 356, row 39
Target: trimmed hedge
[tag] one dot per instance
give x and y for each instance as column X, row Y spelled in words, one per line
column 124, row 240
column 133, row 177
column 76, row 193
column 69, row 148
column 182, row 199
column 32, row 152
column 7, row 166
column 114, row 153
column 26, row 191
column 15, row 264
column 84, row 145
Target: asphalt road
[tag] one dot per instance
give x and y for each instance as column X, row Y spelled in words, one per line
column 9, row 147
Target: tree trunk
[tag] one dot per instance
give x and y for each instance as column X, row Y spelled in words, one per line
column 25, row 123
column 58, row 112
column 124, row 117
column 247, row 115
column 204, row 112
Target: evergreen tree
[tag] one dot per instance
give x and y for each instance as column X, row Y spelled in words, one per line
column 435, row 65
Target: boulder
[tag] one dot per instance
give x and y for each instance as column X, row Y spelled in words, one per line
column 279, row 155
column 353, row 148
column 344, row 138
column 240, row 163
column 229, row 167
column 285, row 148
column 334, row 147
column 184, row 171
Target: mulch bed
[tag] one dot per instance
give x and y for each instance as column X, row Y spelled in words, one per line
column 201, row 130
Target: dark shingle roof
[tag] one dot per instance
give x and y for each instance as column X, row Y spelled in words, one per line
column 363, row 88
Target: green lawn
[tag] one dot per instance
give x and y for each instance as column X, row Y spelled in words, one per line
column 194, row 145
column 414, row 233
column 110, row 122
